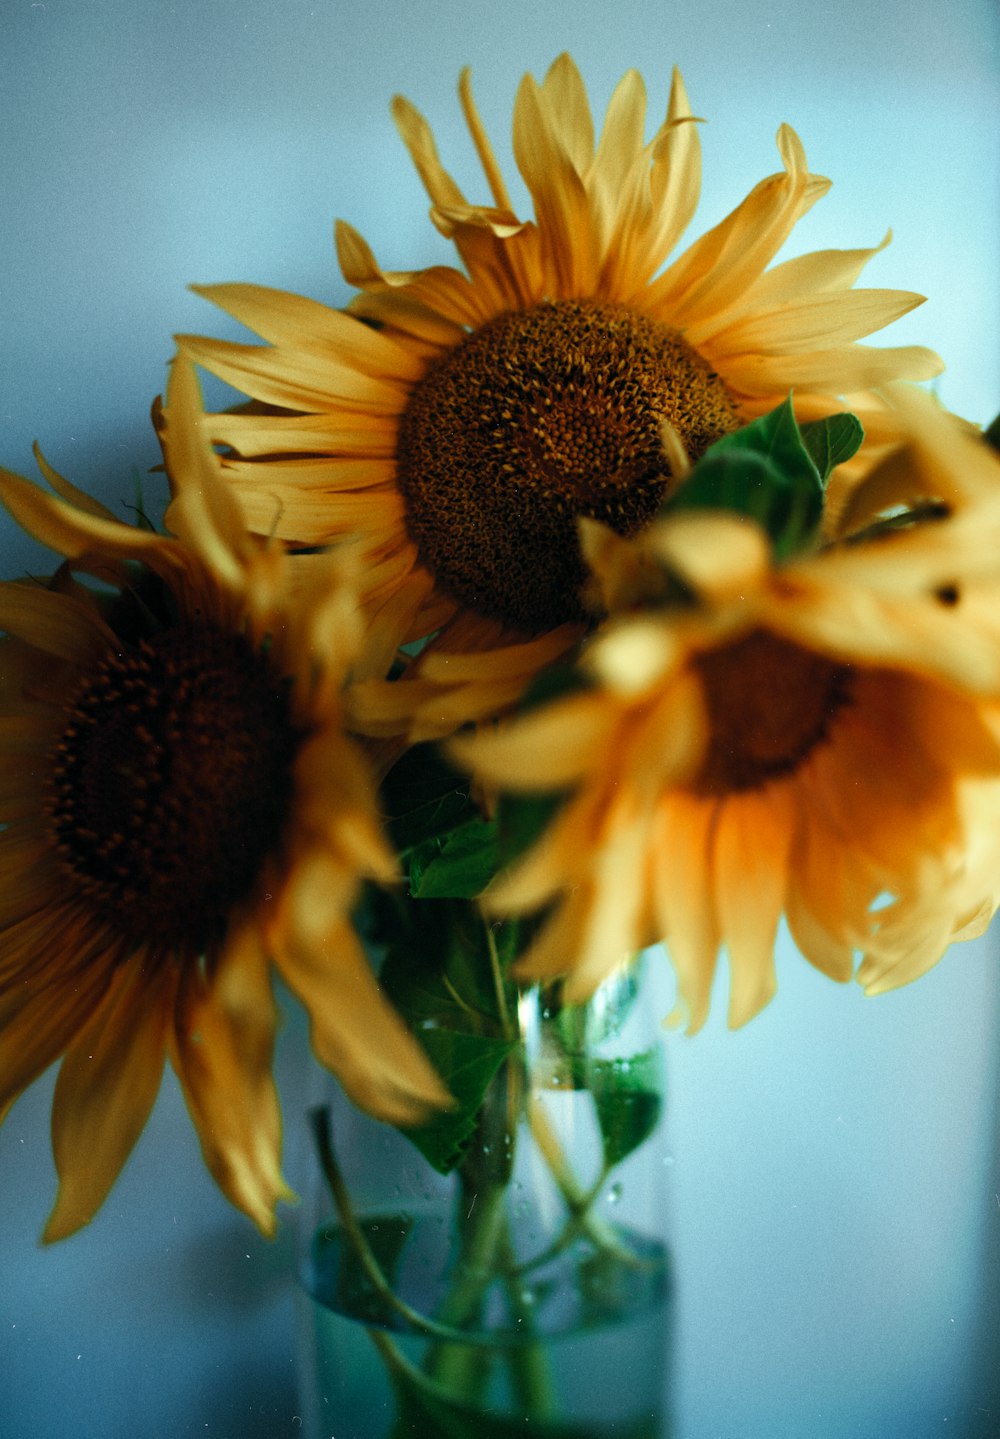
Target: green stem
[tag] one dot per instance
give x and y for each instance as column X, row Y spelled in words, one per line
column 320, row 1120
column 496, row 969
column 528, row 1362
column 578, row 1200
column 460, row 1366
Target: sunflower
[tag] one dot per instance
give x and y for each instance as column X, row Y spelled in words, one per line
column 181, row 807
column 818, row 740
column 461, row 421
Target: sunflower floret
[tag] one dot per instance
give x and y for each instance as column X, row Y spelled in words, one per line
column 184, row 814
column 818, row 740
column 462, row 421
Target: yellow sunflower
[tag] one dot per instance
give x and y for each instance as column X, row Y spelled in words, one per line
column 819, row 740
column 180, row 808
column 461, row 422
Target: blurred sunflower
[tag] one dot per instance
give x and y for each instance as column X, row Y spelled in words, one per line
column 819, row 740
column 462, row 422
column 181, row 807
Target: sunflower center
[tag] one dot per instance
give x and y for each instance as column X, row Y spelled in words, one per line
column 171, row 782
column 770, row 704
column 539, row 417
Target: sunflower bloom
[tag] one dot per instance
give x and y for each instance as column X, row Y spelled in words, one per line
column 818, row 741
column 181, row 807
column 462, row 421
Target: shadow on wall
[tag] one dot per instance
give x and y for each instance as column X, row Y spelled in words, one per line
column 982, row 1416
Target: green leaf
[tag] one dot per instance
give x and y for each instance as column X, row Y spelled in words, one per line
column 628, row 1101
column 423, row 796
column 468, row 1064
column 522, row 819
column 458, row 865
column 832, row 441
column 442, row 980
column 440, row 970
column 763, row 471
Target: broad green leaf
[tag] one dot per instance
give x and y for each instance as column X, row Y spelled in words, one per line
column 763, row 471
column 448, row 979
column 458, row 865
column 467, row 1063
column 521, row 820
column 628, row 1101
column 777, row 437
column 441, row 970
column 832, row 441
column 423, row 796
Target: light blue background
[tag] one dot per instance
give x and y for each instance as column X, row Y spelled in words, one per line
column 835, row 1182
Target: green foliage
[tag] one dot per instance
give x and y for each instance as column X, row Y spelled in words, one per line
column 469, row 1063
column 832, row 441
column 774, row 473
column 764, row 471
column 447, row 976
column 627, row 1099
column 458, row 865
column 521, row 820
column 424, row 797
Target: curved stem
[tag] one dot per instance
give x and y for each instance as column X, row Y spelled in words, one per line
column 320, row 1121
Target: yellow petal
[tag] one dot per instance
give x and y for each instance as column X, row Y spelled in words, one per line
column 558, row 193
column 716, row 271
column 481, row 141
column 682, row 849
column 800, row 326
column 107, row 1085
column 564, row 98
column 360, row 436
column 675, row 177
column 835, row 371
column 354, row 1031
column 284, row 318
column 419, row 140
column 224, row 1042
column 48, row 1011
column 296, row 379
column 72, row 531
column 61, row 625
column 752, row 843
column 544, row 750
column 811, row 274
column 78, row 498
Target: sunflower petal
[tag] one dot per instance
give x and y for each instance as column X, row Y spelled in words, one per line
column 224, row 1043
column 61, row 625
column 354, row 1030
column 418, row 138
column 752, row 843
column 715, row 272
column 107, row 1086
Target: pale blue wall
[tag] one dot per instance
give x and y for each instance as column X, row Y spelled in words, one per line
column 835, row 1180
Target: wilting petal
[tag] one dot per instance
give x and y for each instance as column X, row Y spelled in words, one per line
column 107, row 1085
column 224, row 1042
column 354, row 1030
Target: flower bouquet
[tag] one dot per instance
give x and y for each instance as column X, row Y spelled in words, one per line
column 518, row 619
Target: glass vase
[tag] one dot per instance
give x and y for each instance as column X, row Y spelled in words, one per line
column 527, row 1291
